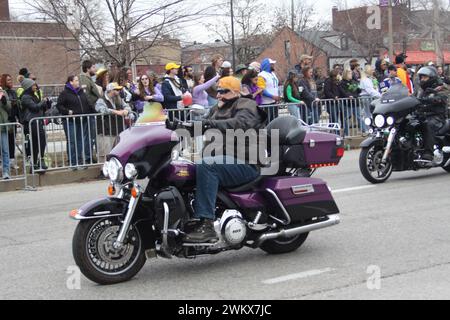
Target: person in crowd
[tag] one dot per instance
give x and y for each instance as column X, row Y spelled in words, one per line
column 34, row 107
column 102, row 81
column 268, row 81
column 255, row 66
column 369, row 90
column 340, row 70
column 292, row 95
column 146, row 93
column 308, row 91
column 402, row 71
column 333, row 91
column 189, row 77
column 6, row 82
column 241, row 71
column 28, row 75
column 87, row 83
column 305, row 61
column 381, row 70
column 125, row 80
column 445, row 79
column 229, row 169
column 73, row 101
column 5, row 109
column 226, row 70
column 172, row 89
column 350, row 91
column 391, row 80
column 319, row 78
column 182, row 80
column 211, row 71
column 200, row 95
column 250, row 89
column 355, row 67
column 114, row 111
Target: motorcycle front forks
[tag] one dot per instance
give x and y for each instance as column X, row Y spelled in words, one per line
column 388, row 149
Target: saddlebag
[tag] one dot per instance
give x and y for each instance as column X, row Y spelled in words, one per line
column 322, row 148
column 303, row 198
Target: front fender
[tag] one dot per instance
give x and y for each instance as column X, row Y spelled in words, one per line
column 372, row 141
column 101, row 208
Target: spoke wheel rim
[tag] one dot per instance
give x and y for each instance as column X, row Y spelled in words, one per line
column 376, row 169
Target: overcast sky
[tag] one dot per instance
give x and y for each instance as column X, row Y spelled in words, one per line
column 200, row 34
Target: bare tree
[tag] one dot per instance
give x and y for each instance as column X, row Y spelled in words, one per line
column 119, row 31
column 251, row 30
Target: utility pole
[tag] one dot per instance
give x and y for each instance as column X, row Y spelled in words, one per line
column 437, row 33
column 292, row 15
column 391, row 32
column 233, row 40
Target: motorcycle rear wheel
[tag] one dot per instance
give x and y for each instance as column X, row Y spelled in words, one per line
column 370, row 162
column 96, row 257
column 284, row 245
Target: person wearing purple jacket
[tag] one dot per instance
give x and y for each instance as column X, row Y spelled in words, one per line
column 199, row 94
column 146, row 92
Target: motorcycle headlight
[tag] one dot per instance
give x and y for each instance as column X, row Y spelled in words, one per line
column 368, row 122
column 380, row 121
column 115, row 170
column 390, row 121
column 130, row 171
column 105, row 169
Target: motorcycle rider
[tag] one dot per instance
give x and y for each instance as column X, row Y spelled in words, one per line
column 434, row 108
column 232, row 112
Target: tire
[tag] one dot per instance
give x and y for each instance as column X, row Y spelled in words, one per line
column 89, row 234
column 284, row 245
column 366, row 155
column 447, row 168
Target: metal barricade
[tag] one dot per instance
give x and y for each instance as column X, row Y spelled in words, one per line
column 12, row 153
column 72, row 142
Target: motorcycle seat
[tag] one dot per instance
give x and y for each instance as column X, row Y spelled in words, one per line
column 290, row 130
column 246, row 187
column 445, row 129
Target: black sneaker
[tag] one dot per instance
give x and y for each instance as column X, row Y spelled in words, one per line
column 203, row 233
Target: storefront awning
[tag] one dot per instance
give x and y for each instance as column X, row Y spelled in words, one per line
column 421, row 57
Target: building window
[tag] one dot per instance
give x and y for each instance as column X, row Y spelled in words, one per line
column 344, row 43
column 287, row 49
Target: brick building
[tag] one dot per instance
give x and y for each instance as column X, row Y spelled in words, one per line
column 46, row 49
column 199, row 56
column 155, row 58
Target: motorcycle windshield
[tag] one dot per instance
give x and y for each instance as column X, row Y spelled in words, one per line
column 395, row 100
column 153, row 113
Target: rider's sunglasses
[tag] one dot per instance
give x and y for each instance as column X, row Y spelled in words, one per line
column 223, row 91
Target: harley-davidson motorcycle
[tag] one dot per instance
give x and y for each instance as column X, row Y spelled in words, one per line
column 396, row 142
column 139, row 221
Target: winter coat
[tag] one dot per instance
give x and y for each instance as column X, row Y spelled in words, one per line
column 32, row 106
column 332, row 89
column 241, row 114
column 74, row 100
column 309, row 93
column 171, row 99
column 90, row 89
column 5, row 108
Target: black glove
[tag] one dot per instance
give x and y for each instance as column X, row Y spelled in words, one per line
column 3, row 100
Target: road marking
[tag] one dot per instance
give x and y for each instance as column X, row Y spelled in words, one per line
column 297, row 276
column 352, row 189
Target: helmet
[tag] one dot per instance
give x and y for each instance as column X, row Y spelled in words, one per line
column 430, row 72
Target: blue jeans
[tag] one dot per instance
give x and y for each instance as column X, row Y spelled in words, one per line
column 298, row 111
column 4, row 150
column 219, row 171
column 77, row 142
column 212, row 102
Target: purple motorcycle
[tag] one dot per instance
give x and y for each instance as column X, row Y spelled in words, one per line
column 117, row 234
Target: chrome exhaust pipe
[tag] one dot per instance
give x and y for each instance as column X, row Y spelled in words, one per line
column 287, row 233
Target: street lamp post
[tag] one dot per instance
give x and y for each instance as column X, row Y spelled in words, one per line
column 233, row 41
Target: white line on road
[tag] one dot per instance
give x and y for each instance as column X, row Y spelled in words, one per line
column 352, row 189
column 297, row 276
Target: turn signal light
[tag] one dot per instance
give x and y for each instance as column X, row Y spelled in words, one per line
column 73, row 213
column 134, row 192
column 111, row 190
column 340, row 152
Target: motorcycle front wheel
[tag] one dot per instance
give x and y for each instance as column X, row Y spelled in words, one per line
column 371, row 166
column 98, row 260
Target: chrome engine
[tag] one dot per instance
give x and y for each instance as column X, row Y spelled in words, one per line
column 231, row 229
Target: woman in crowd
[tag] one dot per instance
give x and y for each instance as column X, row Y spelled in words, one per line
column 213, row 70
column 250, row 87
column 72, row 102
column 369, row 90
column 333, row 91
column 5, row 109
column 7, row 84
column 308, row 90
column 34, row 107
column 146, row 93
column 292, row 95
column 102, row 80
column 350, row 90
column 200, row 96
